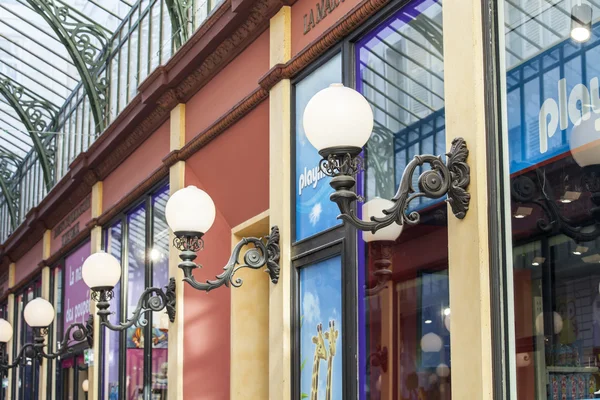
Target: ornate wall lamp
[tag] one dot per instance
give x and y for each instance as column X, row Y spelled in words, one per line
column 190, row 213
column 39, row 314
column 338, row 122
column 102, row 271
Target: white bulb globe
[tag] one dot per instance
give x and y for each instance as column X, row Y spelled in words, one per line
column 442, row 370
column 101, row 270
column 431, row 343
column 374, row 208
column 6, row 331
column 338, row 116
column 190, row 210
column 85, row 385
column 447, row 322
column 38, row 313
column 585, row 142
column 539, row 323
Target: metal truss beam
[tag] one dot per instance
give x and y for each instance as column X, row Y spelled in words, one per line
column 36, row 115
column 86, row 43
column 178, row 12
column 11, row 197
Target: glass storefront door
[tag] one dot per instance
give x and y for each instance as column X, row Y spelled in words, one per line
column 74, row 373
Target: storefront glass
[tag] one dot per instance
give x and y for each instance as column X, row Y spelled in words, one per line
column 404, row 310
column 25, row 382
column 552, row 102
column 139, row 239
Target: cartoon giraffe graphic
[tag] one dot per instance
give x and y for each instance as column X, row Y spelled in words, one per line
column 320, row 354
column 331, row 337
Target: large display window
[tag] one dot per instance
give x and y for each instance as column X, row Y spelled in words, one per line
column 551, row 103
column 398, row 284
column 134, row 362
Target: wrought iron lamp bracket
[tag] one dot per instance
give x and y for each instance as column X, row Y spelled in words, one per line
column 152, row 300
column 77, row 332
column 451, row 178
column 261, row 255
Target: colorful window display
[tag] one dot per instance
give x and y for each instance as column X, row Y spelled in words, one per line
column 142, row 242
column 321, row 341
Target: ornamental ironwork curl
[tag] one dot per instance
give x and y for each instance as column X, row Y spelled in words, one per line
column 260, row 255
column 76, row 333
column 539, row 192
column 152, row 300
column 451, row 178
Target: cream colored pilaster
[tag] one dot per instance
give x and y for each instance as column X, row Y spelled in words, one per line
column 250, row 322
column 280, row 210
column 468, row 239
column 176, row 182
column 12, row 320
column 43, row 376
column 96, row 246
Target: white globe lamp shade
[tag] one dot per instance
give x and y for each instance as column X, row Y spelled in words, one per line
column 190, row 210
column 585, row 142
column 6, row 331
column 338, row 116
column 442, row 370
column 101, row 270
column 38, row 313
column 447, row 322
column 85, row 385
column 374, row 208
column 539, row 323
column 431, row 343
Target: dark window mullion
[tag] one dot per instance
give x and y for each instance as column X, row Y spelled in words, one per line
column 123, row 306
column 148, row 283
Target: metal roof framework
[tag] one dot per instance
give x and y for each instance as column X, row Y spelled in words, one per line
column 49, row 49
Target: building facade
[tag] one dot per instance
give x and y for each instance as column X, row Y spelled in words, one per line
column 500, row 304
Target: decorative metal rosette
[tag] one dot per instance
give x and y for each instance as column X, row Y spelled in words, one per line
column 341, row 164
column 188, row 243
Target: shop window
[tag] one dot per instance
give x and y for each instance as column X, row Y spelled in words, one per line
column 24, row 378
column 401, row 333
column 551, row 105
column 136, row 360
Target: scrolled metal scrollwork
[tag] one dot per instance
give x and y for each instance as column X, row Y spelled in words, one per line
column 451, row 178
column 258, row 256
column 152, row 300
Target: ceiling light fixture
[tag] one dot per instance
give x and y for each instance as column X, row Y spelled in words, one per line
column 581, row 22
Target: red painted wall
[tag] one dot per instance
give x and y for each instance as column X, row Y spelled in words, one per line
column 29, row 262
column 237, row 80
column 207, row 316
column 302, row 8
column 137, row 167
column 234, row 167
column 56, row 242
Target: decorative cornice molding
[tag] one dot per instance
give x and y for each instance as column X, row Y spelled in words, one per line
column 332, row 36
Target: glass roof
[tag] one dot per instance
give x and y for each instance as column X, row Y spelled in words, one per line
column 37, row 65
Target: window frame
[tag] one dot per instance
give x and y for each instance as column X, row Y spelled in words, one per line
column 145, row 200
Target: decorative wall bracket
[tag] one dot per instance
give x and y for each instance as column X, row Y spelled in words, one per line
column 76, row 332
column 259, row 256
column 152, row 300
column 451, row 178
column 525, row 190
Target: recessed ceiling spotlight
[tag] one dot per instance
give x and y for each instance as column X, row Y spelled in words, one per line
column 570, row 197
column 579, row 250
column 538, row 261
column 523, row 212
column 428, row 321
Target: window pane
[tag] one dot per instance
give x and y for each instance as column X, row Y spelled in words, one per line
column 552, row 108
column 159, row 255
column 110, row 384
column 314, row 212
column 404, row 313
column 136, row 271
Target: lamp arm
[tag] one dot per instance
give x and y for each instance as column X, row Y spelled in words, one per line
column 5, row 365
column 259, row 256
column 152, row 300
column 451, row 178
column 77, row 332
